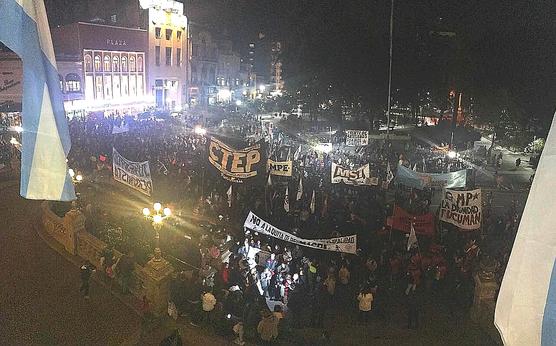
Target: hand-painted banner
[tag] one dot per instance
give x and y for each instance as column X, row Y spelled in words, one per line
column 236, row 165
column 283, row 168
column 418, row 180
column 347, row 244
column 357, row 137
column 401, row 220
column 462, row 208
column 133, row 174
column 359, row 176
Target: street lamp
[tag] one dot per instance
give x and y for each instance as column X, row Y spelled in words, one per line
column 200, row 131
column 75, row 178
column 156, row 217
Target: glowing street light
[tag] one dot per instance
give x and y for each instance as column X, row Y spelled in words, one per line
column 157, row 218
column 239, row 103
column 200, row 131
column 262, row 88
column 452, row 154
column 79, row 178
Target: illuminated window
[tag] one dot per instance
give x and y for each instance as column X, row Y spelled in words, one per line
column 124, row 63
column 157, row 55
column 168, row 34
column 61, row 80
column 115, row 63
column 132, row 63
column 157, row 32
column 98, row 64
column 139, row 64
column 73, row 83
column 107, row 63
column 88, row 63
column 168, row 56
column 178, row 35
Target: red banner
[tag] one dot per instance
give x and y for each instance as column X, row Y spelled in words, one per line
column 401, row 221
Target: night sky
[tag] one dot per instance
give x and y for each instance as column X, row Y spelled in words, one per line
column 501, row 44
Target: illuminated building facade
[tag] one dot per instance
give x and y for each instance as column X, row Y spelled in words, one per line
column 168, row 53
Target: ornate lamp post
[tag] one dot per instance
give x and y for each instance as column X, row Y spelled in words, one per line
column 156, row 217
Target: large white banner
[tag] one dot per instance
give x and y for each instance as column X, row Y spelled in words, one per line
column 462, row 208
column 357, row 137
column 347, row 244
column 136, row 175
column 359, row 176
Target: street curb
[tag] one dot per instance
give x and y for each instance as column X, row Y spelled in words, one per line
column 77, row 261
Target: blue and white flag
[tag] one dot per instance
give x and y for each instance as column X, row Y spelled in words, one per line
column 420, row 181
column 46, row 141
column 526, row 307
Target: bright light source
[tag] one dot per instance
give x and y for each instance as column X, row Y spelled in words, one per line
column 167, row 212
column 157, row 206
column 324, row 147
column 239, row 103
column 452, row 154
column 71, row 172
column 224, row 95
column 146, row 211
column 178, row 108
column 262, row 88
column 244, row 92
column 157, row 218
column 14, row 141
column 79, row 177
column 200, row 131
column 17, row 129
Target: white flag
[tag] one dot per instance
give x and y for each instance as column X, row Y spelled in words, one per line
column 297, row 153
column 415, row 167
column 269, row 181
column 424, row 166
column 389, row 174
column 229, row 193
column 287, row 201
column 313, row 203
column 299, row 189
column 289, row 153
column 412, row 240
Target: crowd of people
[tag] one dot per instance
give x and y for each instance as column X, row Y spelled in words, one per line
column 262, row 288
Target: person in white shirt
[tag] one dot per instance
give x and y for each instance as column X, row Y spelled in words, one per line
column 365, row 299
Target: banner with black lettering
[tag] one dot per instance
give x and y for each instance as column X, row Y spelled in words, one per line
column 136, row 175
column 347, row 244
column 357, row 138
column 462, row 208
column 283, row 168
column 359, row 176
column 237, row 165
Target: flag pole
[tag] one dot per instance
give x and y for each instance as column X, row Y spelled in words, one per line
column 390, row 72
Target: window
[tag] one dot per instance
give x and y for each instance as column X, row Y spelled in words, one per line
column 113, row 18
column 168, row 34
column 73, row 83
column 132, row 63
column 61, row 82
column 98, row 64
column 107, row 63
column 116, row 63
column 168, row 56
column 178, row 56
column 157, row 55
column 178, row 35
column 157, row 32
column 88, row 63
column 124, row 63
column 139, row 64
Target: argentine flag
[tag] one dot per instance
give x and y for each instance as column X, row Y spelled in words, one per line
column 46, row 141
column 526, row 307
